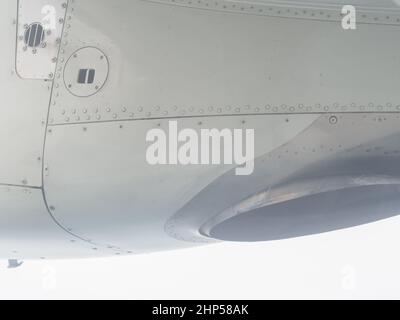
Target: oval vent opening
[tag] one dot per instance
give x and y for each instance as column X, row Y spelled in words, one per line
column 314, row 214
column 34, row 35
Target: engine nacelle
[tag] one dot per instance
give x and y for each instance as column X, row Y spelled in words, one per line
column 85, row 81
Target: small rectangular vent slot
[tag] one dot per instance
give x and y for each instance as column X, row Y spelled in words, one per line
column 82, row 75
column 91, row 76
column 86, row 76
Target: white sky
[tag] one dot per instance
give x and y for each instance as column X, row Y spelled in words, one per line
column 362, row 262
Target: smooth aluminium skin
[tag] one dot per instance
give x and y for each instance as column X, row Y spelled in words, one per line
column 83, row 82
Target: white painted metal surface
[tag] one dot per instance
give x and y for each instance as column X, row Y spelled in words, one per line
column 175, row 60
column 324, row 104
column 115, row 197
column 24, row 108
column 28, row 232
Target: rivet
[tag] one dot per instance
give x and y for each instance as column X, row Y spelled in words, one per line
column 333, row 120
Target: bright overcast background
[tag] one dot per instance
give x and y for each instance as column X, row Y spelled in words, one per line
column 361, row 262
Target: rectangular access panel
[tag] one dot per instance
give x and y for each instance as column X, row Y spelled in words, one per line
column 39, row 31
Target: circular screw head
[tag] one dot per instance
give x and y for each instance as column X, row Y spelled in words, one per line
column 333, row 120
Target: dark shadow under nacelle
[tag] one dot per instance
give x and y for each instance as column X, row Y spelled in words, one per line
column 312, row 214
